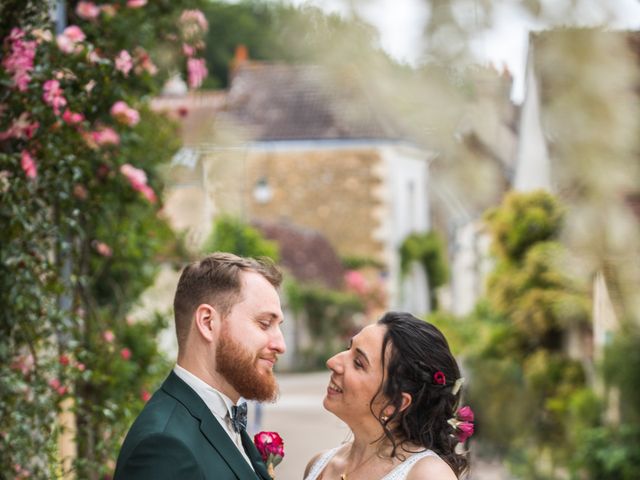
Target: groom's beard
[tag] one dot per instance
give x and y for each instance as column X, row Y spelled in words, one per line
column 240, row 369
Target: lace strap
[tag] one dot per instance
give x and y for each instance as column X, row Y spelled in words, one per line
column 402, row 470
column 321, row 463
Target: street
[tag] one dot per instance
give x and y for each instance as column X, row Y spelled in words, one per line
column 307, row 428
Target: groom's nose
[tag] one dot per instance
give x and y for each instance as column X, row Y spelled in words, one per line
column 276, row 341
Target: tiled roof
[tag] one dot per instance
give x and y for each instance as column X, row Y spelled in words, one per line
column 306, row 253
column 289, row 102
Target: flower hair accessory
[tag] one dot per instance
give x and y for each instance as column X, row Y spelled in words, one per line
column 457, row 386
column 462, row 422
column 271, row 448
column 439, row 378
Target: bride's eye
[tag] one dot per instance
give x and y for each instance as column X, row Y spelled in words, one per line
column 357, row 363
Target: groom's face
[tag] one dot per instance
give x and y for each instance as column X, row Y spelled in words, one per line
column 251, row 340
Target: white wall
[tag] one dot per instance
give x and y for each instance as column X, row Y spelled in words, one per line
column 405, row 174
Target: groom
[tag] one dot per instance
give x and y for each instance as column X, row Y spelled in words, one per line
column 228, row 316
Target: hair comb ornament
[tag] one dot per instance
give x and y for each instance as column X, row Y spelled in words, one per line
column 457, row 386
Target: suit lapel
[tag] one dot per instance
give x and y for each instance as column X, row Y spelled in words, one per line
column 209, row 426
column 254, row 456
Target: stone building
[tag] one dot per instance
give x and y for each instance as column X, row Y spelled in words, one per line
column 294, row 144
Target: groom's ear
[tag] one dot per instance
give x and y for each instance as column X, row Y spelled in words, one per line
column 207, row 322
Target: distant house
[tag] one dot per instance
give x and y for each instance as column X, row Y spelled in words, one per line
column 293, row 144
column 488, row 139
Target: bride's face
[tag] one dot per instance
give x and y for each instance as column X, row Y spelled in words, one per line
column 356, row 374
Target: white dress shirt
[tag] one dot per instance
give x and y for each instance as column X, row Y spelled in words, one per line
column 219, row 404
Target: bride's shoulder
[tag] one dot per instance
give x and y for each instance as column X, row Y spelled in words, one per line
column 431, row 467
column 312, row 462
column 318, row 456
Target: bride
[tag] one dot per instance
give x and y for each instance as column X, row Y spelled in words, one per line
column 397, row 388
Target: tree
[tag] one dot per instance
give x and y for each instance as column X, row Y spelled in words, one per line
column 233, row 235
column 516, row 341
column 271, row 31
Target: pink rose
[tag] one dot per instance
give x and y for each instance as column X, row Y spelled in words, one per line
column 465, row 414
column 74, row 33
column 54, row 383
column 188, row 50
column 105, row 136
column 108, row 336
column 72, row 118
column 68, row 40
column 53, row 95
column 136, row 176
column 19, row 62
column 136, row 3
column 197, row 70
column 87, row 10
column 21, row 128
column 103, row 249
column 124, row 62
column 271, row 448
column 193, row 22
column 24, row 363
column 143, row 62
column 138, row 180
column 125, row 353
column 125, row 114
column 145, row 396
column 81, row 367
column 465, row 430
column 93, row 57
column 28, row 165
column 355, row 281
column 64, row 360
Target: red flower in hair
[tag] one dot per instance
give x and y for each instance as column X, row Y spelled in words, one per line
column 439, row 378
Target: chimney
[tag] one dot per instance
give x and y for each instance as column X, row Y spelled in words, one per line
column 240, row 57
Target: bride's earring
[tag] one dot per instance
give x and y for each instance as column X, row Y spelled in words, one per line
column 384, row 418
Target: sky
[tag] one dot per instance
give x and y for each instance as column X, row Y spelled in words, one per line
column 400, row 24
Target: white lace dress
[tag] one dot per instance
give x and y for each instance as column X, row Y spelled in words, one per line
column 398, row 473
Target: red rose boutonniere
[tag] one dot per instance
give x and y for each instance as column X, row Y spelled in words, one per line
column 271, row 447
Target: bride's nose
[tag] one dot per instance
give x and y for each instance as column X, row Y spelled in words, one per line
column 335, row 363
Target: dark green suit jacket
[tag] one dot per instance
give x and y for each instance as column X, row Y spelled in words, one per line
column 177, row 437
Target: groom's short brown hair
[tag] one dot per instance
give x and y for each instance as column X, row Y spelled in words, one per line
column 215, row 280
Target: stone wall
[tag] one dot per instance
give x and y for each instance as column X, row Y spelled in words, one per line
column 333, row 191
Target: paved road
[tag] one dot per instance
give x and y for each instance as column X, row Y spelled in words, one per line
column 307, row 428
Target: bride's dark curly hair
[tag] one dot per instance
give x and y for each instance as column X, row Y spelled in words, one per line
column 412, row 352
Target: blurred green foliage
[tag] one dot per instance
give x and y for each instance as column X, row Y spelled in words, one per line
column 330, row 315
column 232, row 235
column 531, row 399
column 429, row 250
